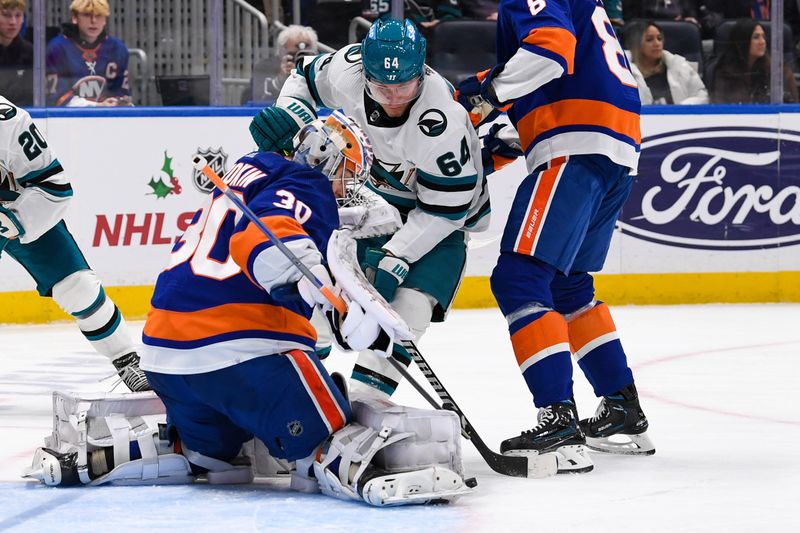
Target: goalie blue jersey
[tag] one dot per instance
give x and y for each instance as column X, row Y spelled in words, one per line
column 208, row 311
column 94, row 73
column 593, row 107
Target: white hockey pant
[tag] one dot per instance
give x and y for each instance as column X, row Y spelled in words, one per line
column 82, row 295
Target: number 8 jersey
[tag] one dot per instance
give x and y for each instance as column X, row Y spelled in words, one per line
column 570, row 81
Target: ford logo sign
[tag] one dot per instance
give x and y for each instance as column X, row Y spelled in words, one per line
column 717, row 189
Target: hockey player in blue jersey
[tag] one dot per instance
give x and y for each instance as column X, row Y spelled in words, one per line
column 34, row 195
column 232, row 357
column 86, row 67
column 576, row 108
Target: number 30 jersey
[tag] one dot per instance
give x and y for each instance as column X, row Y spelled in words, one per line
column 33, row 184
column 212, row 307
column 570, row 81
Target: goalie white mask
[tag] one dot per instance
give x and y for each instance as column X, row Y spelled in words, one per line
column 339, row 149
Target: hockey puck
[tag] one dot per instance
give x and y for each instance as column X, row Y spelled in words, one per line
column 471, row 482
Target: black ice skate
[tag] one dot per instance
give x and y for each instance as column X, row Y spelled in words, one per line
column 557, row 433
column 129, row 372
column 619, row 425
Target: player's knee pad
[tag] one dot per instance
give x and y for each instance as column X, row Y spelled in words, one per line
column 108, row 438
column 416, row 308
column 80, row 294
column 572, row 293
column 518, row 280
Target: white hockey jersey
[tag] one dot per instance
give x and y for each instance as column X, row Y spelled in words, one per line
column 427, row 162
column 33, row 184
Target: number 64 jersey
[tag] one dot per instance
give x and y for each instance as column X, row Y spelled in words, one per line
column 33, row 184
column 427, row 162
column 570, row 81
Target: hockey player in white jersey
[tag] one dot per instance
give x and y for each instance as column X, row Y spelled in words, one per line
column 427, row 165
column 34, row 195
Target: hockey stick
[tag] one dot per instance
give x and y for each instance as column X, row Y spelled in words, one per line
column 201, row 164
column 508, row 465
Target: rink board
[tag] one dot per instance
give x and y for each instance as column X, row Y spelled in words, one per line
column 714, row 215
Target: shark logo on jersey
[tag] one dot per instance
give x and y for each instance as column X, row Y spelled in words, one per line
column 432, row 123
column 7, row 111
column 216, row 160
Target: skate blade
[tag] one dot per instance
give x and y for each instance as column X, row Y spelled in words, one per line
column 539, row 466
column 623, row 444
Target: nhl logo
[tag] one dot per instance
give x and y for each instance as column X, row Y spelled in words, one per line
column 216, row 160
column 295, row 428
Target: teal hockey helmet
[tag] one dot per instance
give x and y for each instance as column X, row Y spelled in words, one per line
column 393, row 53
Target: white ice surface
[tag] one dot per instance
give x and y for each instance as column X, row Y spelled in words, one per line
column 719, row 384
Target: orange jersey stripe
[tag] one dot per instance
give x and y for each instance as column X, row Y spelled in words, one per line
column 589, row 326
column 196, row 325
column 537, row 211
column 243, row 243
column 546, row 331
column 577, row 112
column 558, row 40
column 326, row 403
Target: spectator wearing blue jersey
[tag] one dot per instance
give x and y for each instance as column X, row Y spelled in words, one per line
column 663, row 77
column 86, row 67
column 16, row 54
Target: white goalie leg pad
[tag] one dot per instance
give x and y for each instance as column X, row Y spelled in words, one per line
column 435, row 435
column 82, row 295
column 324, row 335
column 94, row 435
column 361, row 451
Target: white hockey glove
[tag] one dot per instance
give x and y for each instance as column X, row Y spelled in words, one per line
column 359, row 331
column 10, row 226
column 310, row 293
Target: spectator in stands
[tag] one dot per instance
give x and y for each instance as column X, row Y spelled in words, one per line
column 425, row 13
column 16, row 54
column 660, row 9
column 292, row 43
column 742, row 75
column 663, row 77
column 86, row 66
column 483, row 9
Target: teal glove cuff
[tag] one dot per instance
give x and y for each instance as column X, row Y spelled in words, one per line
column 385, row 271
